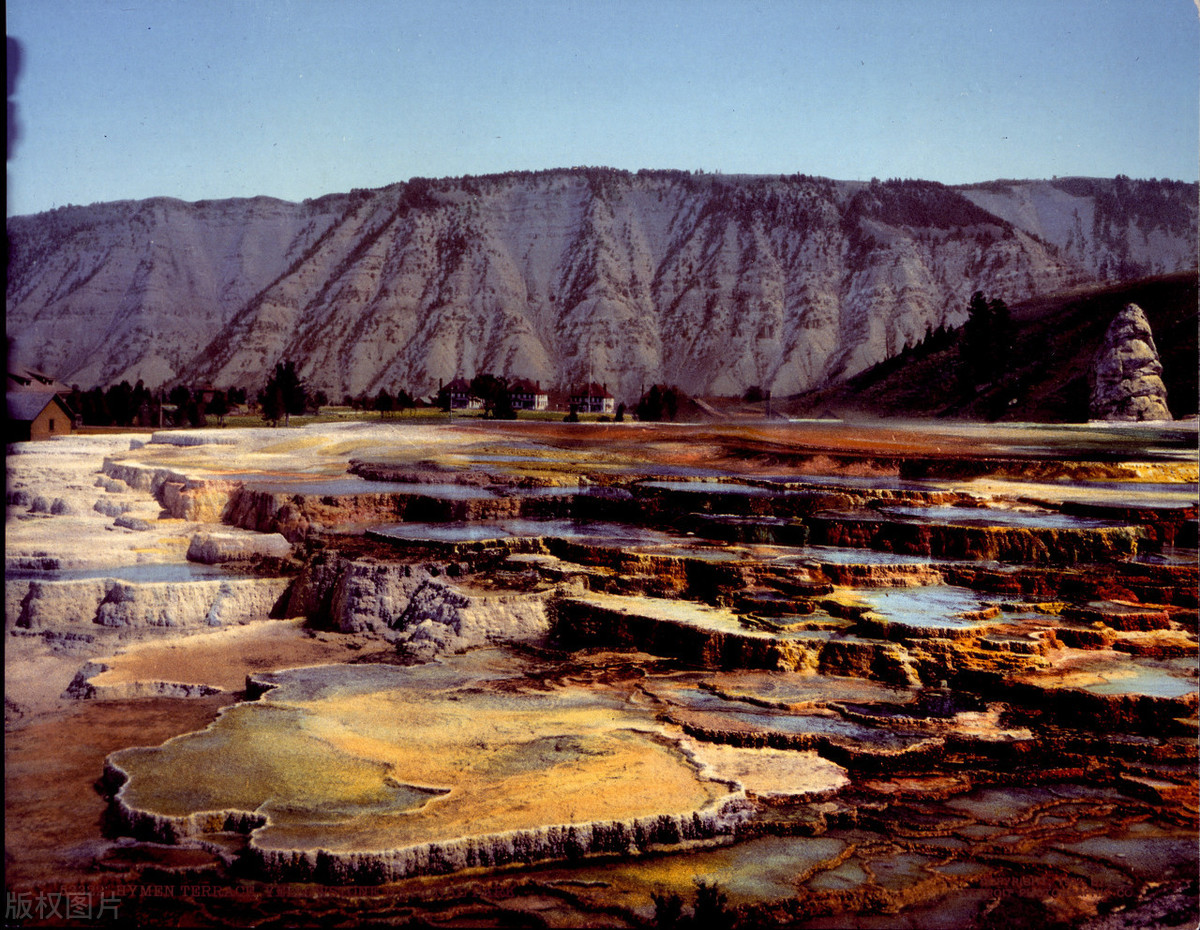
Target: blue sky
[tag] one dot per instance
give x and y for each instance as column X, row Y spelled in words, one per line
column 298, row 98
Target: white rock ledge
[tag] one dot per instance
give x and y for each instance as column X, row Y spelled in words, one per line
column 84, row 687
column 213, row 548
column 70, row 605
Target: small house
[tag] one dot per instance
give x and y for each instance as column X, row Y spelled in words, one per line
column 593, row 398
column 461, row 396
column 26, row 379
column 35, row 415
column 528, row 395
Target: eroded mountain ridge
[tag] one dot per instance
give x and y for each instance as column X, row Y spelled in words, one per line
column 711, row 282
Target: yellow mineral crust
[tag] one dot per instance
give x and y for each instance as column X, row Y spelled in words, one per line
column 220, row 659
column 772, row 772
column 373, row 759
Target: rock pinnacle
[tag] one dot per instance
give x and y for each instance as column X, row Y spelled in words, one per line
column 1127, row 374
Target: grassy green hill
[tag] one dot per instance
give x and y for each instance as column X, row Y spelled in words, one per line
column 1047, row 381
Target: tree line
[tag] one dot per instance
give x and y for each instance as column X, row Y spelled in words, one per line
column 136, row 405
column 285, row 395
column 984, row 342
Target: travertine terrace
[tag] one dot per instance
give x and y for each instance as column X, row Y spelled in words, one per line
column 557, row 675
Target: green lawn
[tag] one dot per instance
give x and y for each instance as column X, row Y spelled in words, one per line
column 423, row 415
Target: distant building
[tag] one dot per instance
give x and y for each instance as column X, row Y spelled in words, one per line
column 528, row 395
column 26, row 379
column 35, row 415
column 461, row 397
column 593, row 398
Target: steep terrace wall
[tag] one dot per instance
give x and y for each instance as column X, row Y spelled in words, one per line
column 295, row 516
column 201, row 500
column 74, row 605
column 417, row 605
column 1027, row 545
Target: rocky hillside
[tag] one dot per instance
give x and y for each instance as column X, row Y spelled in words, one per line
column 136, row 289
column 711, row 282
column 1056, row 340
column 1118, row 230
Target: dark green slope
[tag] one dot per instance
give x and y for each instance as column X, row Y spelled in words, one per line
column 1047, row 381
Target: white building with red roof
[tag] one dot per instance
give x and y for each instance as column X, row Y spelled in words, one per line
column 593, row 398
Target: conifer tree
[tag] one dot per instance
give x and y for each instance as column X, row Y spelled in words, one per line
column 284, row 394
column 987, row 340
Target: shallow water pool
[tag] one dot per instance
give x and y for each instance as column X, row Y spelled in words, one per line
column 584, row 531
column 139, row 574
column 936, row 606
column 988, row 516
column 345, row 487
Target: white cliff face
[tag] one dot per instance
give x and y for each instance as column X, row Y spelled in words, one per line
column 1115, row 229
column 709, row 282
column 132, row 290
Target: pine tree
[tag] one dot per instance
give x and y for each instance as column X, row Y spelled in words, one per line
column 384, row 403
column 661, row 402
column 987, row 340
column 284, row 394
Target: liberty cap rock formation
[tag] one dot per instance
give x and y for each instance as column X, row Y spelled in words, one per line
column 1127, row 374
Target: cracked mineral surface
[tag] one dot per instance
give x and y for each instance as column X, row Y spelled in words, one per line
column 804, row 675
